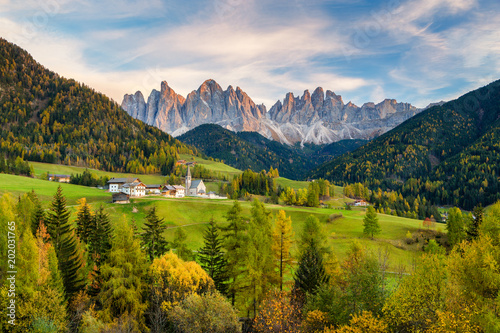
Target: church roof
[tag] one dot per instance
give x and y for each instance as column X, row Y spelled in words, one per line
column 195, row 183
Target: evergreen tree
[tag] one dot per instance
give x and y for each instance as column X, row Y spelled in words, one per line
column 310, row 274
column 370, row 223
column 100, row 237
column 84, row 221
column 282, row 242
column 475, row 223
column 211, row 257
column 64, row 242
column 152, row 237
column 234, row 239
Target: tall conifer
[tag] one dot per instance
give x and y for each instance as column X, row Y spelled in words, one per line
column 64, row 242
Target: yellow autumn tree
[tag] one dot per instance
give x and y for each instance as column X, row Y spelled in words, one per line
column 177, row 279
column 278, row 314
column 282, row 242
column 362, row 323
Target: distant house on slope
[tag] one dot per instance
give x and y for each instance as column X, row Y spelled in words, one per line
column 174, row 191
column 59, row 178
column 195, row 187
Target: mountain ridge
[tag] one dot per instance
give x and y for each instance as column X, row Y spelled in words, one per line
column 318, row 118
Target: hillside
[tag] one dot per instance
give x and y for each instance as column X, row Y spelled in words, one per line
column 448, row 154
column 47, row 118
column 244, row 150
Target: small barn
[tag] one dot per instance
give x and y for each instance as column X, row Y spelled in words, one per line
column 121, row 198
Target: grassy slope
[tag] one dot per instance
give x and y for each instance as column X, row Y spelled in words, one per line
column 194, row 213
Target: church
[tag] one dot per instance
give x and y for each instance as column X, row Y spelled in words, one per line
column 195, row 187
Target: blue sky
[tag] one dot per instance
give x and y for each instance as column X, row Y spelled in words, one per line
column 416, row 51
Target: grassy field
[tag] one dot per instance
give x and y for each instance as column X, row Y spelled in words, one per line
column 194, row 213
column 217, row 167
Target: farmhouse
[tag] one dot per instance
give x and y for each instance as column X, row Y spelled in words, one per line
column 360, row 203
column 195, row 187
column 131, row 186
column 59, row 178
column 153, row 189
column 173, row 191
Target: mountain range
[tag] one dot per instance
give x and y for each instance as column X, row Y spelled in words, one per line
column 318, row 118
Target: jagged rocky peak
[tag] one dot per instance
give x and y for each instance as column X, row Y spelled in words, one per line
column 320, row 117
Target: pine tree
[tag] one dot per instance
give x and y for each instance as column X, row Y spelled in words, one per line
column 476, row 221
column 282, row 242
column 84, row 221
column 64, row 242
column 310, row 274
column 212, row 259
column 152, row 237
column 370, row 223
column 100, row 237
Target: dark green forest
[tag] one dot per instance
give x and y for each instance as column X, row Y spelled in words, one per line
column 47, row 118
column 449, row 154
column 244, row 150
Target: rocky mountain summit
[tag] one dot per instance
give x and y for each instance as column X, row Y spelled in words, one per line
column 317, row 118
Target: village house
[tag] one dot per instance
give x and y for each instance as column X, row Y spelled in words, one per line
column 131, row 186
column 153, row 189
column 180, row 191
column 174, row 191
column 195, row 187
column 59, row 178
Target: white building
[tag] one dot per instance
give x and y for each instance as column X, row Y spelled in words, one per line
column 153, row 189
column 180, row 191
column 131, row 186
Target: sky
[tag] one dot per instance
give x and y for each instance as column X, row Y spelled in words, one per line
column 415, row 51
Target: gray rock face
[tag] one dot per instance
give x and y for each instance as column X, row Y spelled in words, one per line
column 318, row 118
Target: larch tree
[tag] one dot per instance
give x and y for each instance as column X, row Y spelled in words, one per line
column 234, row 240
column 180, row 246
column 282, row 242
column 38, row 214
column 152, row 237
column 259, row 261
column 211, row 257
column 123, row 274
column 65, row 243
column 455, row 226
column 371, row 226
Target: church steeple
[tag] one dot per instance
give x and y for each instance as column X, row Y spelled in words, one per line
column 188, row 179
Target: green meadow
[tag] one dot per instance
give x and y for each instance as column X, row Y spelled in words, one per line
column 193, row 214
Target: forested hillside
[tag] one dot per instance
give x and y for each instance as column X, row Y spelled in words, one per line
column 448, row 154
column 244, row 150
column 48, row 118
